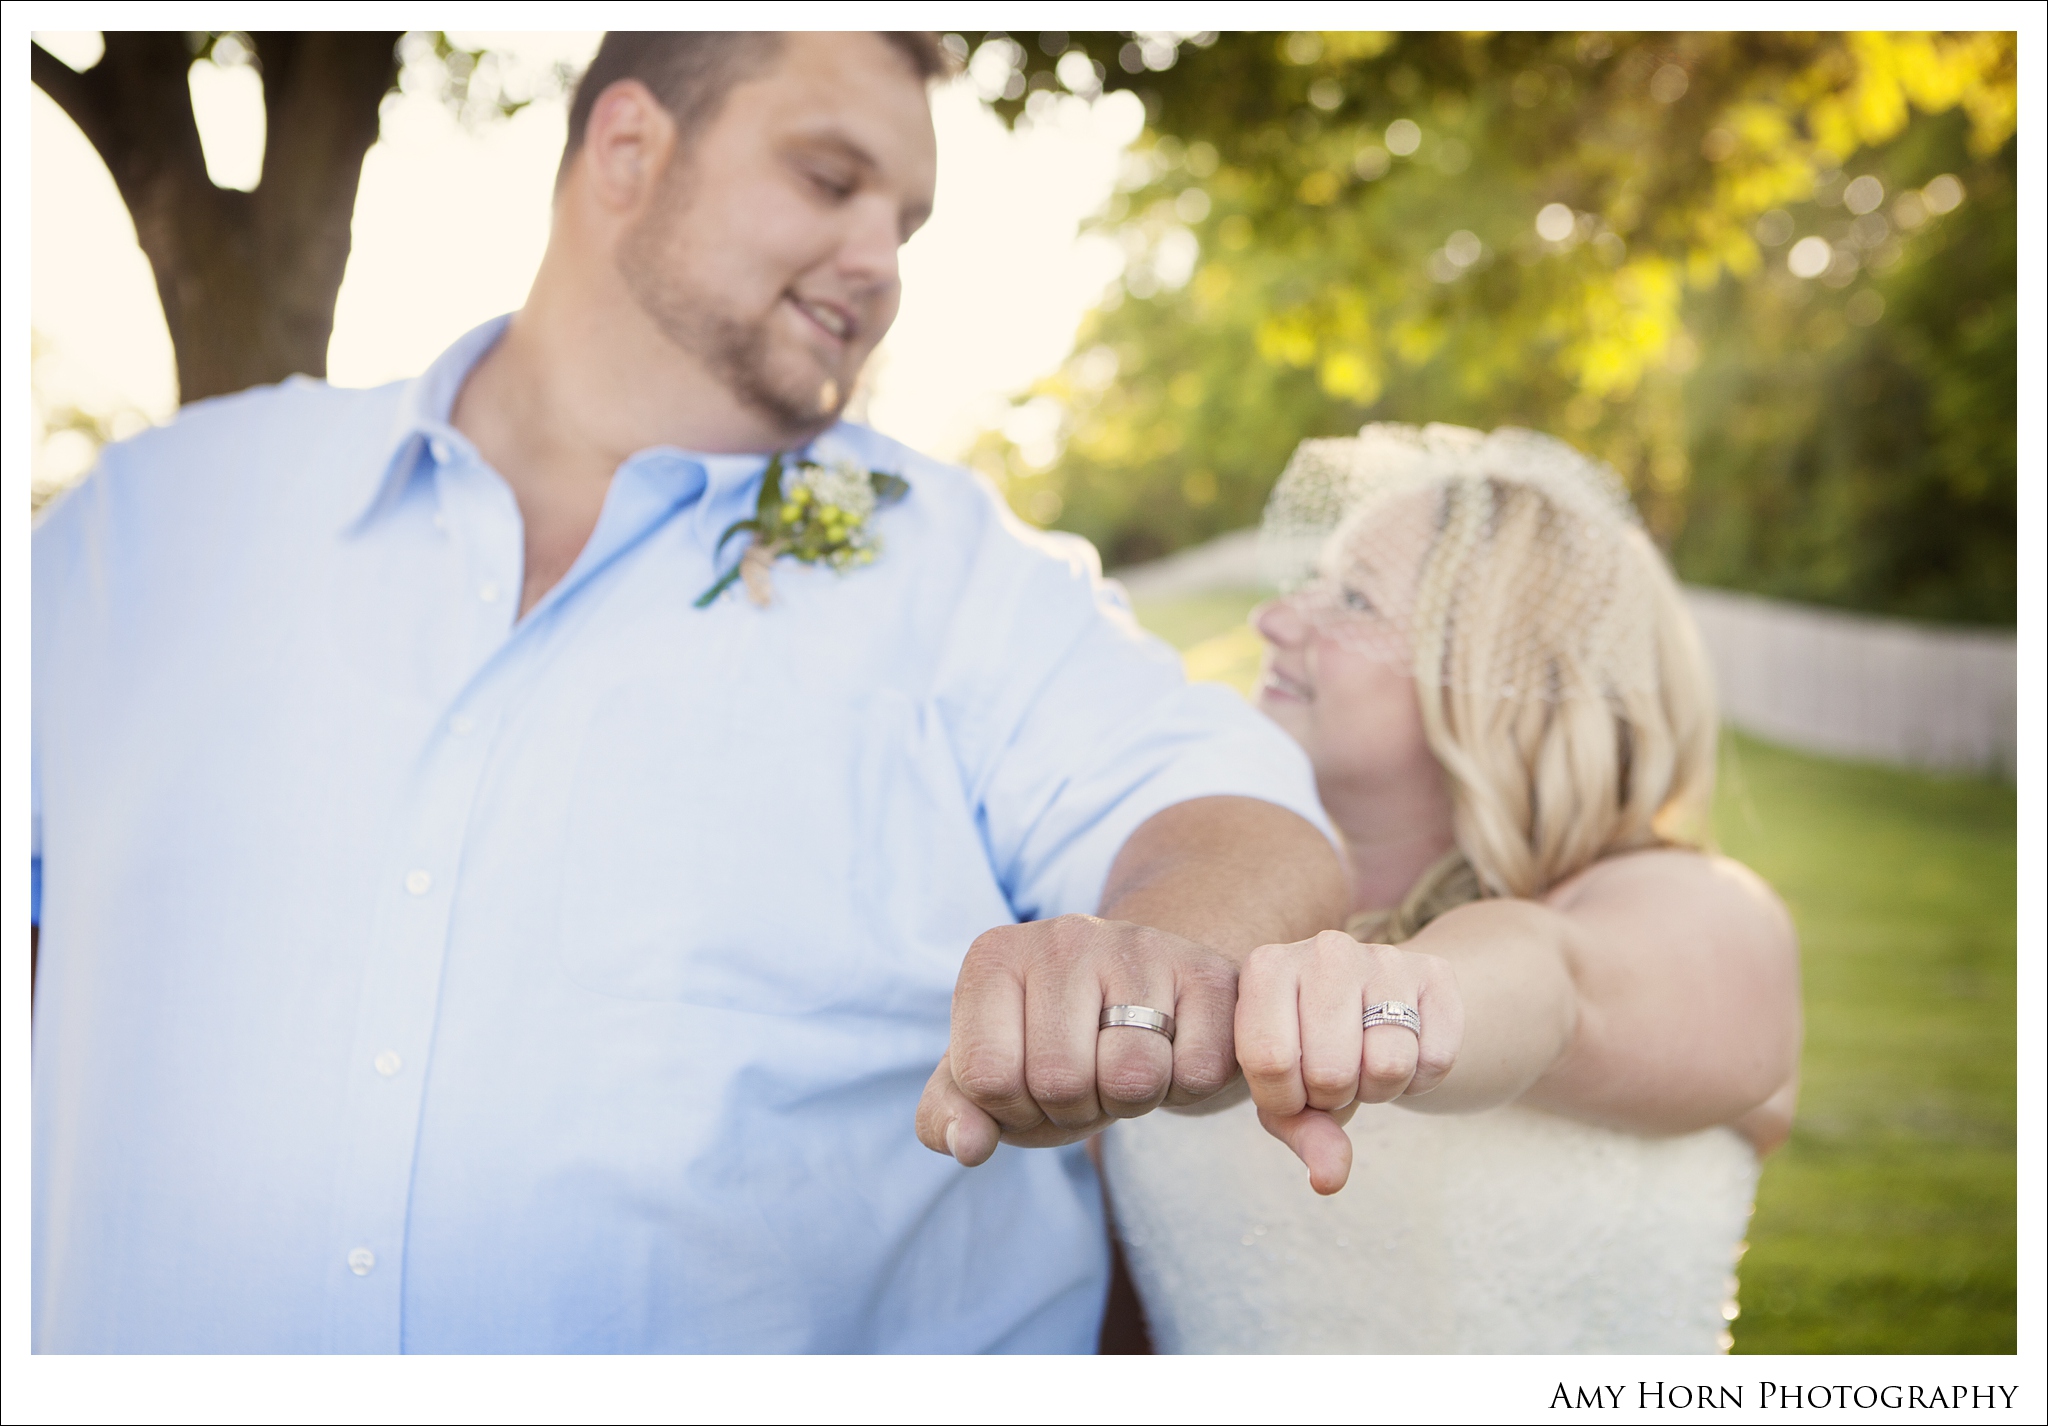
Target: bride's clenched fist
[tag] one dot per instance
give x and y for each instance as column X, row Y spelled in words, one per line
column 1308, row 1055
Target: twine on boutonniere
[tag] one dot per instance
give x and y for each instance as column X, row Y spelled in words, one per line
column 823, row 517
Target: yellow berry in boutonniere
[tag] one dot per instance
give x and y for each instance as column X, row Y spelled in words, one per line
column 823, row 518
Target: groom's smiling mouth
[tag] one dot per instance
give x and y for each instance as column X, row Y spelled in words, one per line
column 835, row 322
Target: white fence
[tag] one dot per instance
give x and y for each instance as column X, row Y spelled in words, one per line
column 1860, row 687
column 1848, row 685
column 1227, row 562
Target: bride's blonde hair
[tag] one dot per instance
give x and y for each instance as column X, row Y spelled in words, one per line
column 1562, row 684
column 1563, row 744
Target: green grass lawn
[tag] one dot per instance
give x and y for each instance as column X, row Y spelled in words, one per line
column 1888, row 1223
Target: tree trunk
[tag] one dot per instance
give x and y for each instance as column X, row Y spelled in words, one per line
column 247, row 280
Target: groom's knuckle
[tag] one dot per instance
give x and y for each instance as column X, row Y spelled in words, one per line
column 988, row 1078
column 1199, row 1071
column 1202, row 1076
column 1132, row 1083
column 992, row 943
column 1055, row 947
column 1125, row 969
column 1073, row 935
column 990, row 959
column 1054, row 1081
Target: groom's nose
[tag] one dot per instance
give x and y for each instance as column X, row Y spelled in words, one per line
column 867, row 256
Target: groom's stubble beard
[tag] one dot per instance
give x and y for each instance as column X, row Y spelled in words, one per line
column 656, row 261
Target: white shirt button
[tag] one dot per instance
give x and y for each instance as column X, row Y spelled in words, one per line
column 440, row 522
column 360, row 1261
column 440, row 449
column 462, row 725
column 418, row 882
column 488, row 593
column 388, row 1063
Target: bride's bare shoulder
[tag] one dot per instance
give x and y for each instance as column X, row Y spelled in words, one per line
column 1679, row 883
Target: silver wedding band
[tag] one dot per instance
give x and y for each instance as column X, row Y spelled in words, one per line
column 1139, row 1017
column 1394, row 1012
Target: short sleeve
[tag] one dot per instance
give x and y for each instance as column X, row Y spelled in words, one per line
column 1077, row 725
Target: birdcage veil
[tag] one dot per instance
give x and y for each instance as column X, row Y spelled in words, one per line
column 1505, row 563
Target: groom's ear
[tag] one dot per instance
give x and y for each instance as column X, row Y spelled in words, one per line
column 628, row 143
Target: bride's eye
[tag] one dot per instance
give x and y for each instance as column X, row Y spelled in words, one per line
column 1355, row 600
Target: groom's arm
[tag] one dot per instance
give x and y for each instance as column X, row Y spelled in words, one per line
column 1193, row 891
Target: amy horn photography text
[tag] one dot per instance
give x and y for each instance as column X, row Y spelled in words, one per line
column 1716, row 1397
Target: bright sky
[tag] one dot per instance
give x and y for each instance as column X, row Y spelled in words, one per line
column 450, row 223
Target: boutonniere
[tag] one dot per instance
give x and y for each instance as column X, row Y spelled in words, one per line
column 821, row 517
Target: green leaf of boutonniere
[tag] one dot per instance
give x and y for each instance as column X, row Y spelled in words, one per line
column 820, row 515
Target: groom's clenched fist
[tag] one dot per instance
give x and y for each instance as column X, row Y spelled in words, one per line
column 1029, row 1062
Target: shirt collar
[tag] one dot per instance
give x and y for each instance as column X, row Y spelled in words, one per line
column 424, row 406
column 428, row 400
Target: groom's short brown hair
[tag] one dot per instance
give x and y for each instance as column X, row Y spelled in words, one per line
column 691, row 71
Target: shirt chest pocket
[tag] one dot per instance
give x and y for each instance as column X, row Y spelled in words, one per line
column 729, row 865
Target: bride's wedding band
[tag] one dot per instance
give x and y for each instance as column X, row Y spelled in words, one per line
column 1394, row 1012
column 1140, row 1017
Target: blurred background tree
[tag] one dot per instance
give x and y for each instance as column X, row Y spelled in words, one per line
column 248, row 277
column 1770, row 277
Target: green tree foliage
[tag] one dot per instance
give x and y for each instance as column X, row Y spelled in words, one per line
column 1591, row 234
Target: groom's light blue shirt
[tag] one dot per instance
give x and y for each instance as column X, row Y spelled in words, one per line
column 417, row 976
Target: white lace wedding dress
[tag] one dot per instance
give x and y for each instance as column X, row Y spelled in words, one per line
column 1508, row 1231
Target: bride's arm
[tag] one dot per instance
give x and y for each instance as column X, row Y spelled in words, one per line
column 1656, row 992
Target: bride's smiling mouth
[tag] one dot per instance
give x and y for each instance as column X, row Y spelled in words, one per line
column 1275, row 684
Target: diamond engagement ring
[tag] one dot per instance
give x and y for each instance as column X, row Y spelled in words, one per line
column 1394, row 1012
column 1139, row 1017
